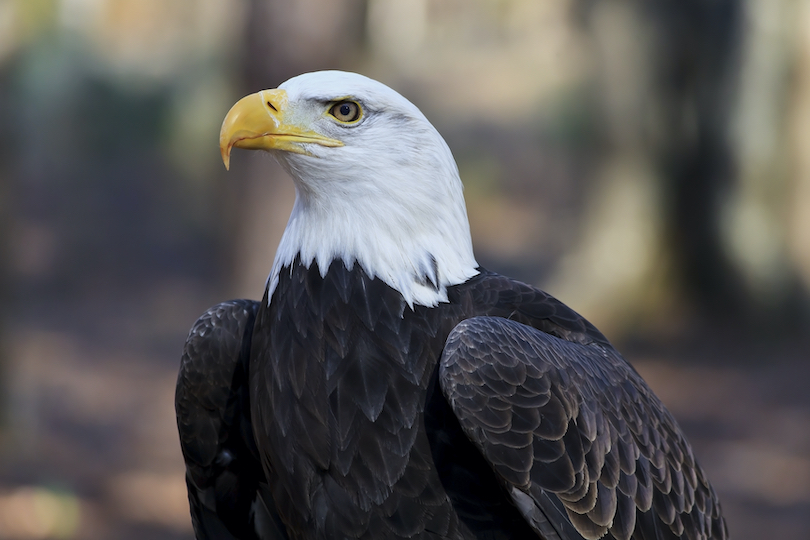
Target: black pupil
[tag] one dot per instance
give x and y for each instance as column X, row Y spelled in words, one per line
column 345, row 109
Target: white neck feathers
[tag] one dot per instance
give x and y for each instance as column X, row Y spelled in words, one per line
column 412, row 234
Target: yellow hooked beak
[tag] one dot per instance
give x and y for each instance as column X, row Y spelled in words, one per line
column 256, row 122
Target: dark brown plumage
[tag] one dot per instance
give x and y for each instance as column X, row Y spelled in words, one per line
column 562, row 435
column 223, row 473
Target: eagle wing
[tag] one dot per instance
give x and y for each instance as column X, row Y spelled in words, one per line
column 575, row 436
column 228, row 494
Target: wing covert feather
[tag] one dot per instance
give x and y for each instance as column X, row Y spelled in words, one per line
column 573, row 423
column 228, row 496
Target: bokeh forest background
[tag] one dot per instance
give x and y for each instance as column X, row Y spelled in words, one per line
column 646, row 161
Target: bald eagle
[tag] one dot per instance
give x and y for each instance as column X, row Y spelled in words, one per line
column 387, row 386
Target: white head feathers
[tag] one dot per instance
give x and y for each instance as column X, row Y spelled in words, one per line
column 390, row 199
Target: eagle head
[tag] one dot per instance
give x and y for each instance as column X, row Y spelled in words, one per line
column 376, row 184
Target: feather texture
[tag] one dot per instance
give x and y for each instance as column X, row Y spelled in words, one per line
column 609, row 422
column 227, row 490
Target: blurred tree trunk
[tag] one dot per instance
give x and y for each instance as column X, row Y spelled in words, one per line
column 674, row 174
column 697, row 48
column 799, row 145
column 283, row 39
column 770, row 121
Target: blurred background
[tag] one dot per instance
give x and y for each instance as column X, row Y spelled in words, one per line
column 645, row 161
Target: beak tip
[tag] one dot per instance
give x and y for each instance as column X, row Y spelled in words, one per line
column 226, row 157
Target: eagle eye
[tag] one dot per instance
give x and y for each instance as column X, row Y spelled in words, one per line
column 347, row 112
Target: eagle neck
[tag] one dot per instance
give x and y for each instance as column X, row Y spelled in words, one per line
column 417, row 247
